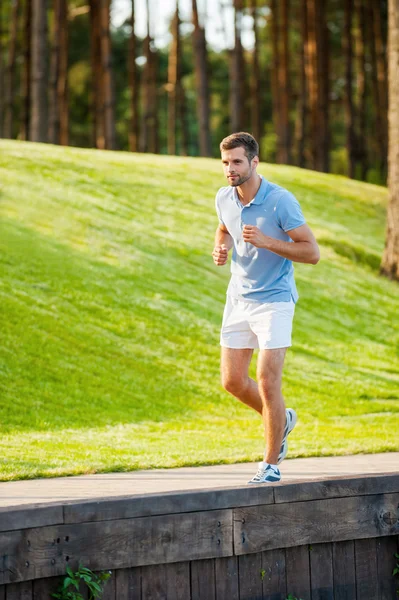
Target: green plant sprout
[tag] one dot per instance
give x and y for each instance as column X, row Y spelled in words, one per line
column 69, row 589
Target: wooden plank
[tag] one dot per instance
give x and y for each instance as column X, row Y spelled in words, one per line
column 168, row 503
column 19, row 591
column 128, row 584
column 274, row 575
column 164, row 582
column 43, row 552
column 261, row 528
column 12, row 519
column 321, row 572
column 203, row 579
column 366, row 569
column 226, row 576
column 110, row 589
column 339, row 487
column 298, row 572
column 43, row 588
column 250, row 576
column 386, row 562
column 344, row 570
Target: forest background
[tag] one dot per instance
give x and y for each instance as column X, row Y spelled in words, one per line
column 307, row 77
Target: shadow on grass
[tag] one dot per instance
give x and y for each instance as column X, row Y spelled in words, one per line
column 355, row 253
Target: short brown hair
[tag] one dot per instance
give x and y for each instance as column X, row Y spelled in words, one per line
column 241, row 140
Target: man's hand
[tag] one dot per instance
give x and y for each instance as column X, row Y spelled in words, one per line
column 220, row 255
column 254, row 236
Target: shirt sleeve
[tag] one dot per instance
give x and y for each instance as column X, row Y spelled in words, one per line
column 218, row 212
column 289, row 213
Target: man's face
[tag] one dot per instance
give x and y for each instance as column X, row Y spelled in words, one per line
column 236, row 166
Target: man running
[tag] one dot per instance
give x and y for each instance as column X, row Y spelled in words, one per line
column 264, row 225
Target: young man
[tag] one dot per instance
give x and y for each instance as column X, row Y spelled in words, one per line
column 263, row 224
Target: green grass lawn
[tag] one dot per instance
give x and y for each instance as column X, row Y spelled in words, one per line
column 111, row 307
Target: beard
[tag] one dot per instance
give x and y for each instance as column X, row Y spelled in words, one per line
column 240, row 180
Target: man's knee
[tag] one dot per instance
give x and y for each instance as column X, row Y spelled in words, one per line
column 270, row 386
column 234, row 383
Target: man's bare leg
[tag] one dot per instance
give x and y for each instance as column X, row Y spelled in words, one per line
column 269, row 376
column 235, row 379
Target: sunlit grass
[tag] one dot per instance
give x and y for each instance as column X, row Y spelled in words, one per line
column 111, row 307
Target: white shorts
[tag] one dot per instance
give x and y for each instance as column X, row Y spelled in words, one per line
column 257, row 325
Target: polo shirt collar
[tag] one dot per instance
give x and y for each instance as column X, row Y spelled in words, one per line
column 260, row 194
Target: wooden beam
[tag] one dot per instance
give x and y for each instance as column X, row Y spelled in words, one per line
column 297, row 523
column 336, row 488
column 167, row 503
column 46, row 551
column 26, row 518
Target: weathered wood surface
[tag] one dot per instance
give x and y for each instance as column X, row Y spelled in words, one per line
column 336, row 488
column 19, row 591
column 366, row 569
column 344, row 570
column 321, row 572
column 295, row 524
column 43, row 588
column 337, row 571
column 274, row 576
column 386, row 562
column 164, row 582
column 226, row 577
column 45, row 551
column 203, row 580
column 250, row 576
column 298, row 571
column 28, row 517
column 170, row 503
column 128, row 584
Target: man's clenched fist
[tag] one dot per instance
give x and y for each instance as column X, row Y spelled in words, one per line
column 220, row 254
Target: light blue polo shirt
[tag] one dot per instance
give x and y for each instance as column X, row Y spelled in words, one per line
column 258, row 275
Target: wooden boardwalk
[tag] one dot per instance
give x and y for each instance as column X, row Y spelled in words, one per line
column 328, row 531
column 158, row 481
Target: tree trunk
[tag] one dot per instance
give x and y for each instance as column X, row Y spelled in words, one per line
column 201, row 80
column 390, row 259
column 237, row 73
column 38, row 132
column 174, row 83
column 381, row 81
column 255, row 77
column 318, row 83
column 323, row 56
column 183, row 121
column 349, row 108
column 58, row 111
column 10, row 72
column 134, row 88
column 300, row 129
column 26, row 72
column 1, row 71
column 275, row 75
column 62, row 88
column 96, row 100
column 154, row 121
column 361, row 88
column 284, row 154
column 107, row 80
column 149, row 141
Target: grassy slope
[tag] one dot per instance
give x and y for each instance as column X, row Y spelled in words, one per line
column 111, row 306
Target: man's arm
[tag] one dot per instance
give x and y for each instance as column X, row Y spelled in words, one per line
column 223, row 243
column 304, row 249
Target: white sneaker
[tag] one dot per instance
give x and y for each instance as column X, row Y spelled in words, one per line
column 290, row 423
column 266, row 474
